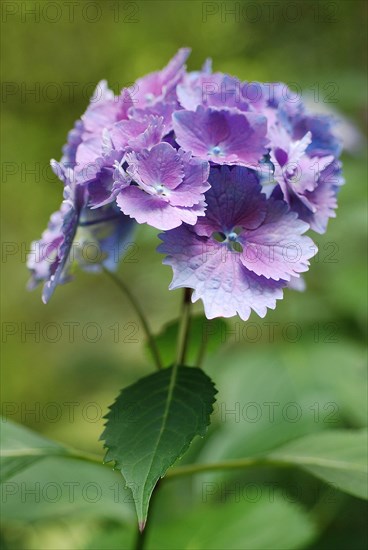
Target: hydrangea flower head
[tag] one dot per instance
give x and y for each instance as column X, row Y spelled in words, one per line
column 233, row 172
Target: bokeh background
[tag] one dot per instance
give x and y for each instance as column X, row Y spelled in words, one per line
column 51, row 61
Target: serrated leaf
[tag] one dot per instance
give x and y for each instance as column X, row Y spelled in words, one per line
column 21, row 447
column 151, row 425
column 338, row 457
column 202, row 331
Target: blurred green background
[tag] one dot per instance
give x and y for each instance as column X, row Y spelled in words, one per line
column 317, row 355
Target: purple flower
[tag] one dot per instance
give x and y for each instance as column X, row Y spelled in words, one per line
column 285, row 155
column 223, row 91
column 234, row 172
column 197, row 87
column 222, row 136
column 168, row 189
column 73, row 233
column 48, row 259
column 105, row 176
column 103, row 237
column 160, row 85
column 45, row 254
column 227, row 94
column 89, row 151
column 105, row 108
column 137, row 134
column 241, row 255
column 324, row 140
column 162, row 109
column 95, row 149
column 316, row 206
column 155, row 93
column 85, row 139
column 308, row 184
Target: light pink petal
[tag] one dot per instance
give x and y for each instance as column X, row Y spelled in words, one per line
column 157, row 85
column 146, row 208
column 161, row 165
column 195, row 182
column 222, row 136
column 277, row 249
column 217, row 276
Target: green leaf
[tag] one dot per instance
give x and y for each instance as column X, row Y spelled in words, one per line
column 151, row 425
column 259, row 408
column 21, row 447
column 338, row 457
column 269, row 521
column 334, row 372
column 282, row 393
column 211, row 333
column 36, row 470
column 57, row 488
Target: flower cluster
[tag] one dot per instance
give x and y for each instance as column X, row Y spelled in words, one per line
column 234, row 173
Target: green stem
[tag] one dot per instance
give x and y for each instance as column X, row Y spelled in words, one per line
column 192, row 469
column 325, row 509
column 151, row 341
column 140, row 538
column 183, row 335
column 179, row 471
column 62, row 452
column 86, row 457
column 202, row 351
